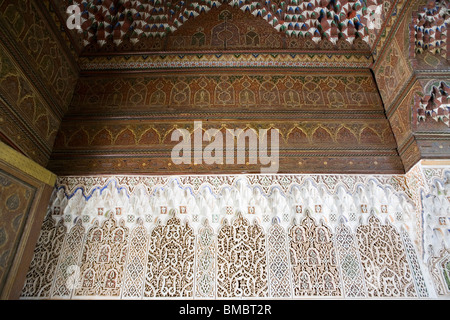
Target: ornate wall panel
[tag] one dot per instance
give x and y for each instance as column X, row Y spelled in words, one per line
column 384, row 260
column 402, row 117
column 435, row 196
column 278, row 262
column 206, row 262
column 131, row 121
column 393, row 73
column 290, row 90
column 103, row 259
column 67, row 274
column 11, row 133
column 353, row 283
column 440, row 271
column 241, row 259
column 419, row 281
column 411, row 72
column 393, row 68
column 231, row 236
column 46, row 254
column 25, row 116
column 170, row 266
column 37, row 80
column 313, row 258
column 136, row 262
column 25, row 189
column 30, row 39
column 212, row 235
column 16, row 198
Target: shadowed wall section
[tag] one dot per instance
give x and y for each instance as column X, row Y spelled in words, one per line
column 37, row 76
column 25, row 189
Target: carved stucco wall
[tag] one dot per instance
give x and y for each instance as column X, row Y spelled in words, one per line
column 286, row 236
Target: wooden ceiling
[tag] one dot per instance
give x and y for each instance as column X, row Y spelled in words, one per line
column 319, row 72
column 154, row 25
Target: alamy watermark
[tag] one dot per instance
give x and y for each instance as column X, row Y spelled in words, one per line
column 375, row 14
column 233, row 146
column 74, row 20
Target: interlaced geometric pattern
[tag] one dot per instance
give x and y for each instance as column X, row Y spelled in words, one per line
column 384, row 261
column 348, row 256
column 151, row 248
column 436, row 217
column 205, row 265
column 68, row 262
column 46, row 253
column 103, row 259
column 136, row 262
column 439, row 266
column 170, row 265
column 237, row 261
column 313, row 259
column 278, row 262
column 419, row 281
column 107, row 21
column 241, row 259
column 430, row 28
column 435, row 105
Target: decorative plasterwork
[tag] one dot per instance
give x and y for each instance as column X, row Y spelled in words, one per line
column 430, row 28
column 285, row 236
column 87, row 186
column 434, row 194
column 160, row 62
column 436, row 209
column 215, row 196
column 317, row 19
column 436, row 104
column 440, row 271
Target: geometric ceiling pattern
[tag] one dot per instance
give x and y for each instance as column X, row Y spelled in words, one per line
column 116, row 20
column 431, row 28
column 436, row 105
